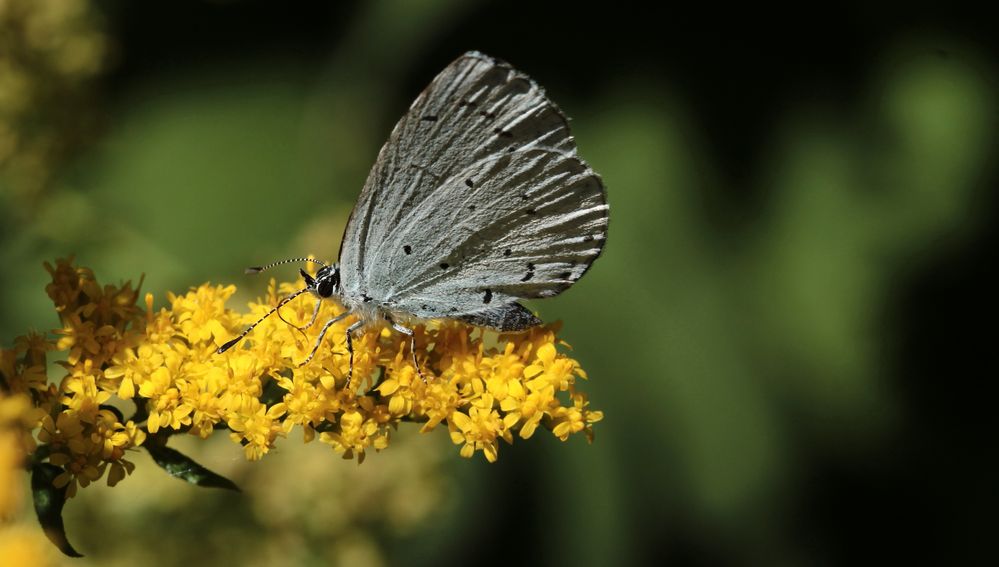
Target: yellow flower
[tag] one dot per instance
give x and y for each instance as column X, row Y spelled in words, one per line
column 22, row 368
column 82, row 395
column 200, row 399
column 79, row 337
column 527, row 407
column 130, row 367
column 306, row 404
column 355, row 434
column 485, row 387
column 256, row 426
column 200, row 314
column 34, row 346
column 160, row 327
column 479, row 429
column 548, row 366
column 67, row 283
column 165, row 410
column 113, row 438
column 116, row 306
column 579, row 417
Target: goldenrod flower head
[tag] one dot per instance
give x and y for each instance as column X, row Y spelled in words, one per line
column 482, row 386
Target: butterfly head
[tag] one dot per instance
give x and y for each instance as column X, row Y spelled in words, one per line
column 326, row 282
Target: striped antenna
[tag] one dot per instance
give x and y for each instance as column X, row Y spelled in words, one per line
column 258, row 269
column 233, row 342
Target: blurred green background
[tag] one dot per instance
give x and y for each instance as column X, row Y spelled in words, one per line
column 783, row 330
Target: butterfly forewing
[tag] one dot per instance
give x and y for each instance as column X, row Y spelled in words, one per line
column 478, row 198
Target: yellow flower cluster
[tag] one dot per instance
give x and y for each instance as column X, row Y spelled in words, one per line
column 484, row 387
column 78, row 429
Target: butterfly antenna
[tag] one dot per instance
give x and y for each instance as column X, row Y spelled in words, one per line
column 258, row 269
column 233, row 342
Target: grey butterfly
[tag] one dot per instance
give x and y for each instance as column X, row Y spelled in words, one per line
column 477, row 199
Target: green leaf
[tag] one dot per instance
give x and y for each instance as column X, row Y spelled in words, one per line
column 183, row 467
column 141, row 413
column 272, row 394
column 49, row 501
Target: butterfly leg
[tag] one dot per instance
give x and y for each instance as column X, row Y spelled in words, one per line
column 322, row 334
column 412, row 345
column 312, row 321
column 350, row 349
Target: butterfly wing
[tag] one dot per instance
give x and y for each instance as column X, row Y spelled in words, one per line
column 477, row 199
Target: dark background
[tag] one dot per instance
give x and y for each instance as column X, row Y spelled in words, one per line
column 788, row 333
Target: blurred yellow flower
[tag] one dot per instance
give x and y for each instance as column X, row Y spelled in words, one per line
column 14, row 422
column 25, row 548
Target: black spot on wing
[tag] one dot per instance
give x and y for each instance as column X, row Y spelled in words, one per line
column 529, row 274
column 407, row 249
column 470, row 183
column 429, row 118
column 445, row 265
column 488, row 297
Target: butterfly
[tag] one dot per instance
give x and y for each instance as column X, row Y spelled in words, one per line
column 477, row 199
